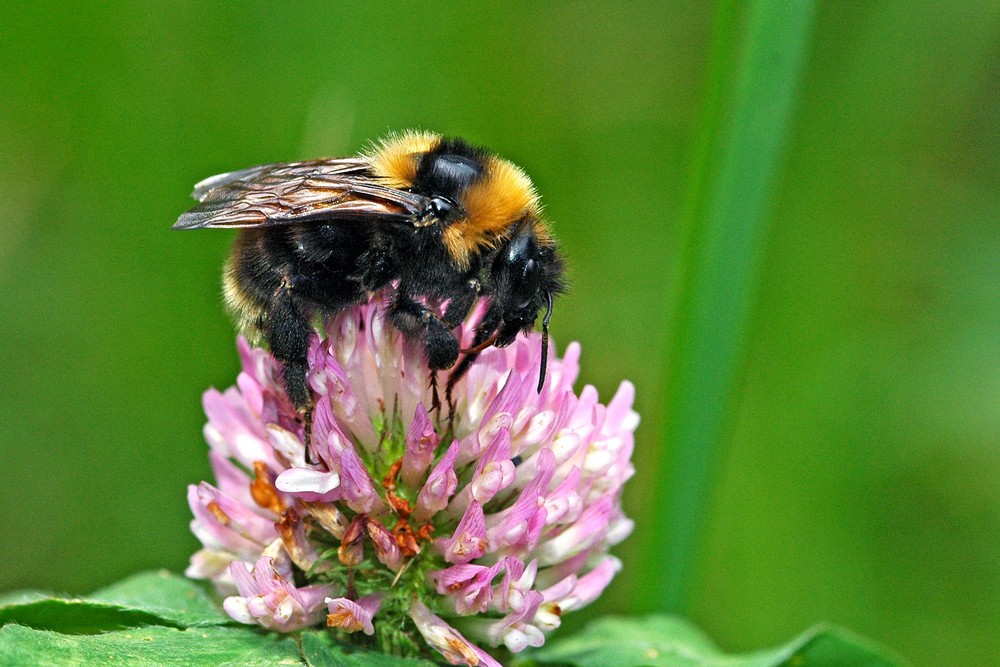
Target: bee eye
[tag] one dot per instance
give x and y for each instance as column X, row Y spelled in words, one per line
column 527, row 288
column 441, row 207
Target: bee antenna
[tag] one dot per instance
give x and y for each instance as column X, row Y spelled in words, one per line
column 545, row 340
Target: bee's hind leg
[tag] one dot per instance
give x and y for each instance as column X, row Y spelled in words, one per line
column 287, row 330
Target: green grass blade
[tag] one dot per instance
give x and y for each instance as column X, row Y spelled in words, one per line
column 757, row 60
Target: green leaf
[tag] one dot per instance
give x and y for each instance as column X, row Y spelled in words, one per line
column 151, row 598
column 73, row 616
column 827, row 645
column 663, row 641
column 167, row 595
column 158, row 618
column 149, row 646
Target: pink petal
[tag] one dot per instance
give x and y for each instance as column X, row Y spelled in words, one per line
column 469, row 586
column 222, row 522
column 514, row 631
column 621, row 416
column 448, row 641
column 357, row 488
column 495, row 470
column 457, row 576
column 330, row 380
column 353, row 616
column 563, row 504
column 234, row 429
column 439, row 487
column 520, row 525
column 269, row 599
column 468, row 542
column 231, row 479
column 516, row 580
column 421, row 441
column 510, row 400
column 590, row 586
column 589, row 529
column 328, row 438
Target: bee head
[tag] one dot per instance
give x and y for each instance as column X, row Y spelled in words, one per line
column 488, row 215
column 484, row 201
column 526, row 273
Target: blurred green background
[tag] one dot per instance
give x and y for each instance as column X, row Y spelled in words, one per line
column 861, row 483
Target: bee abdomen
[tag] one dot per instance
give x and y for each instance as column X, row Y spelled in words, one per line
column 246, row 311
column 251, row 277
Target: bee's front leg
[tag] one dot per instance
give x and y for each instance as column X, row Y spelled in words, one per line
column 415, row 320
column 418, row 321
column 460, row 304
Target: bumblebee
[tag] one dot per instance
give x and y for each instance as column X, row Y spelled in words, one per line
column 436, row 222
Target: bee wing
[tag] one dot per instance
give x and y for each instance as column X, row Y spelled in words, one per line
column 296, row 192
